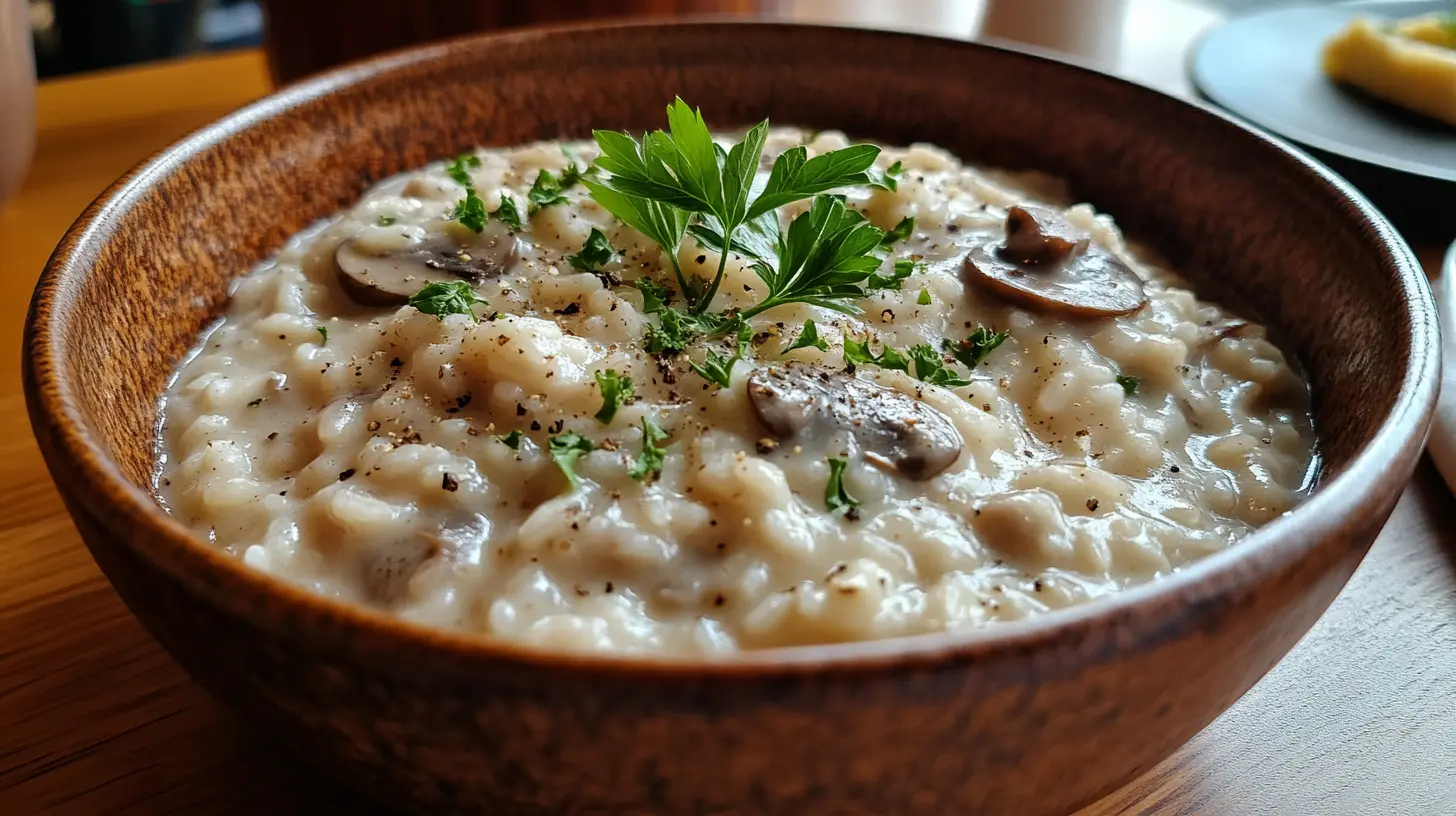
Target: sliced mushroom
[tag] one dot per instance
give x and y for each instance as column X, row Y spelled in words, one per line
column 389, row 279
column 895, row 431
column 1037, row 235
column 1049, row 265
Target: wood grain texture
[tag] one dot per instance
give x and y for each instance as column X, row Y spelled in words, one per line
column 95, row 718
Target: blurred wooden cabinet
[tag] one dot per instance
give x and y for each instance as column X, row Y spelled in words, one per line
column 307, row 36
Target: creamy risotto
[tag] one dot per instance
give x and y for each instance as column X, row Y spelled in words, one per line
column 493, row 430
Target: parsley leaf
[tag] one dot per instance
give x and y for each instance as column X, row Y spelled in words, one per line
column 1129, row 383
column 973, row 350
column 901, row 270
column 901, row 232
column 387, row 221
column 663, row 224
column 511, row 440
column 858, row 352
column 545, row 191
column 594, row 253
column 648, row 463
column 825, row 255
column 672, row 334
column 835, row 495
column 655, row 296
column 616, row 391
column 808, row 338
column 924, row 299
column 890, row 179
column 459, row 169
column 443, row 298
column 565, row 450
column 930, row 367
column 507, row 213
column 324, row 333
column 718, row 369
column 683, row 169
column 470, row 212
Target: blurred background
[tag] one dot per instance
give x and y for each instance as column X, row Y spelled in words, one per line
column 72, row 36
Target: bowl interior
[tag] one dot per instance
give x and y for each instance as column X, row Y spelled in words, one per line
column 148, row 266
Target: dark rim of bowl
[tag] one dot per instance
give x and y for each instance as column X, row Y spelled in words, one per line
column 1374, row 477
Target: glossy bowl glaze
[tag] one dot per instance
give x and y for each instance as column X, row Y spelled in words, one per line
column 1020, row 718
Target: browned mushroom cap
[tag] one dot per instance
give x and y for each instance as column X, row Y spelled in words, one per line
column 1049, row 265
column 391, row 278
column 894, row 430
column 1036, row 234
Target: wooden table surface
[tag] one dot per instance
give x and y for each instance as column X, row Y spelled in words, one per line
column 96, row 718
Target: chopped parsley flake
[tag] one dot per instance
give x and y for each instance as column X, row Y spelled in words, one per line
column 835, row 495
column 649, row 462
column 324, row 333
column 442, row 298
column 808, row 338
column 511, row 440
column 1129, row 384
column 387, row 221
column 507, row 213
column 924, row 299
column 900, row 233
column 973, row 350
column 595, row 253
column 565, row 450
column 545, row 191
column 930, row 367
column 890, row 179
column 616, row 391
column 858, row 352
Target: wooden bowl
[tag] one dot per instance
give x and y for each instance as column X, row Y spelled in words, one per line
column 1025, row 718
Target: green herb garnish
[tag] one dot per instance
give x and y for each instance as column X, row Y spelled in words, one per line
column 930, row 367
column 718, row 369
column 545, row 191
column 470, row 212
column 443, row 298
column 658, row 183
column 655, row 296
column 649, row 462
column 973, row 350
column 511, row 440
column 900, row 233
column 899, row 271
column 890, row 179
column 386, row 221
column 616, row 391
column 835, row 495
column 507, row 213
column 808, row 338
column 823, row 258
column 1129, row 384
column 596, row 252
column 565, row 450
column 924, row 299
column 459, row 169
column 324, row 333
column 858, row 352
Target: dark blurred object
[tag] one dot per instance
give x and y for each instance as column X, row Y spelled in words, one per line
column 85, row 35
column 303, row 38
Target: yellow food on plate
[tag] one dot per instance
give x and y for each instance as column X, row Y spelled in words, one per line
column 1411, row 63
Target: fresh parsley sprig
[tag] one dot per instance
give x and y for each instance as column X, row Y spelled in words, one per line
column 659, row 183
column 825, row 256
